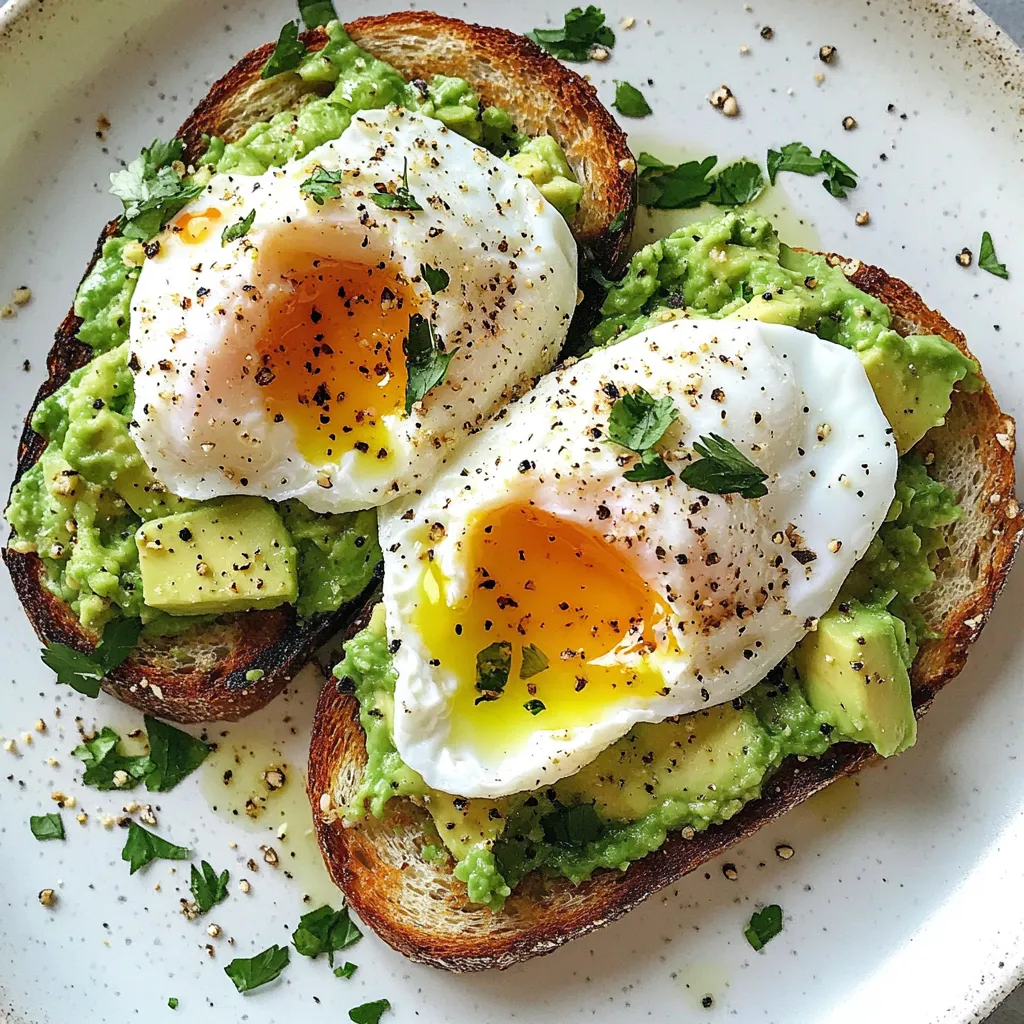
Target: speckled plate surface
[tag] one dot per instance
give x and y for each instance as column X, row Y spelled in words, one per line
column 902, row 902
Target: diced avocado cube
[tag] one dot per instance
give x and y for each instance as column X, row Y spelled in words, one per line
column 542, row 161
column 852, row 669
column 234, row 555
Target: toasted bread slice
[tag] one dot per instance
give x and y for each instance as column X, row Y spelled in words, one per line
column 201, row 676
column 422, row 910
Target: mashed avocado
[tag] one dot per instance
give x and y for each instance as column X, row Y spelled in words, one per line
column 623, row 805
column 80, row 506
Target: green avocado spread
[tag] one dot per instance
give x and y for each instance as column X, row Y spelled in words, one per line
column 86, row 505
column 847, row 680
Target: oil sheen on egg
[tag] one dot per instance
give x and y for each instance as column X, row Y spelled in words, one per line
column 539, row 604
column 271, row 360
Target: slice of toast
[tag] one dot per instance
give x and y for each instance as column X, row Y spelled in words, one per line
column 201, row 675
column 422, row 910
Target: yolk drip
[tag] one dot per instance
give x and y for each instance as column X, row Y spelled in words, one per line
column 330, row 360
column 560, row 593
column 194, row 227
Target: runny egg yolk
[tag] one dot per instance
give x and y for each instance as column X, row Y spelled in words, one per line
column 557, row 611
column 331, row 360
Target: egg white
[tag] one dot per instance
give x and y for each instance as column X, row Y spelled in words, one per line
column 745, row 578
column 201, row 421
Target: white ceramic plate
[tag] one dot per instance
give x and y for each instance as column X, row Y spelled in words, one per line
column 903, row 900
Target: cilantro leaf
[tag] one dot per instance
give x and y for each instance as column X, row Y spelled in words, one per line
column 683, row 187
column 321, row 185
column 838, row 176
column 437, row 279
column 493, row 665
column 738, row 184
column 84, row 672
column 103, row 761
column 795, row 157
column 173, row 754
column 369, row 1013
column 987, row 258
column 723, row 469
column 764, row 925
column 618, row 222
column 239, row 229
column 425, row 361
column 119, row 639
column 401, row 198
column 582, row 31
column 535, row 707
column 151, row 190
column 47, row 826
column 251, row 972
column 650, row 467
column 534, row 662
column 638, row 420
column 572, row 826
column 346, row 971
column 317, row 12
column 630, row 101
column 645, row 160
column 142, row 847
column 208, row 888
column 288, row 52
column 325, row 930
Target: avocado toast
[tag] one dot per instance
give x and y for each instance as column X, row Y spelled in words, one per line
column 409, row 880
column 232, row 660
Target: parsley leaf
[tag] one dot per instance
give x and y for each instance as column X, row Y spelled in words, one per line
column 142, row 847
column 151, row 190
column 795, row 157
column 84, row 672
column 618, row 222
column 493, row 665
column 250, row 972
column 426, row 363
column 987, row 258
column 46, row 826
column 208, row 888
column 173, row 1002
column 325, row 930
column 630, row 101
column 723, row 469
column 239, row 229
column 437, row 279
column 317, row 12
column 346, row 971
column 684, row 187
column 764, row 925
column 287, row 54
column 401, row 198
column 572, row 826
column 638, row 420
column 535, row 707
column 650, row 467
column 583, row 30
column 838, row 176
column 321, row 185
column 103, row 761
column 173, row 754
column 369, row 1013
column 738, row 184
column 534, row 662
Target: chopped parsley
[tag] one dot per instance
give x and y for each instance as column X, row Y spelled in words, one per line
column 738, row 184
column 288, row 52
column 325, row 930
column 239, row 229
column 582, row 31
column 173, row 1002
column 534, row 662
column 618, row 222
column 251, row 972
column 630, row 101
column 572, row 826
column 764, row 925
column 426, row 362
column 638, row 421
column 321, row 185
column 208, row 888
column 650, row 467
column 838, row 176
column 723, row 469
column 401, row 198
column 493, row 665
column 369, row 1013
column 795, row 157
column 534, row 706
column 106, row 767
column 174, row 755
column 46, row 826
column 151, row 190
column 681, row 187
column 346, row 970
column 317, row 12
column 436, row 278
column 142, row 847
column 987, row 258
column 84, row 672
